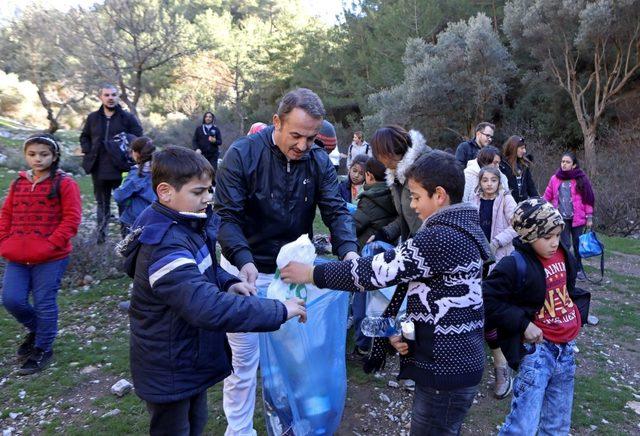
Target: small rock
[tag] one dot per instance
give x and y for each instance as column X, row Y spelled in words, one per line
column 391, row 418
column 393, row 384
column 593, row 320
column 87, row 280
column 385, row 398
column 113, row 412
column 22, row 394
column 14, row 415
column 7, row 431
column 74, row 364
column 88, row 369
column 634, row 405
column 121, row 387
column 91, row 329
column 604, row 421
column 593, row 427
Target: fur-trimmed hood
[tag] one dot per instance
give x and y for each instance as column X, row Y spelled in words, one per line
column 418, row 147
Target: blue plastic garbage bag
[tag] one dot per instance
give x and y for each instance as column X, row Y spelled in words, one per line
column 377, row 301
column 304, row 379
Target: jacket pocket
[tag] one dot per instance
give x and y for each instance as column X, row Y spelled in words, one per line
column 28, row 249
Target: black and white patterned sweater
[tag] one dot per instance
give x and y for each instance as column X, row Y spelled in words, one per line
column 442, row 265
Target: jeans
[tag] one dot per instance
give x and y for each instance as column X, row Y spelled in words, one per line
column 439, row 412
column 102, row 192
column 186, row 417
column 43, row 282
column 543, row 391
column 570, row 236
column 358, row 309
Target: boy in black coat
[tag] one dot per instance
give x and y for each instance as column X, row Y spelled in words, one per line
column 182, row 302
column 531, row 298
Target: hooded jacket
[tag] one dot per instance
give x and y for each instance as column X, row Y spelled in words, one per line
column 442, row 266
column 135, row 194
column 97, row 129
column 375, row 210
column 35, row 228
column 408, row 222
column 266, row 201
column 502, row 234
column 471, row 180
column 180, row 309
column 511, row 305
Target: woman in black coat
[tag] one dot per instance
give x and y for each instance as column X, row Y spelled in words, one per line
column 515, row 166
column 207, row 139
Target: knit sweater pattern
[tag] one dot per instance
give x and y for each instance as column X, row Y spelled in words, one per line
column 442, row 265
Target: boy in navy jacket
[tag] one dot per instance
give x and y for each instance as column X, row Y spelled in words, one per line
column 182, row 302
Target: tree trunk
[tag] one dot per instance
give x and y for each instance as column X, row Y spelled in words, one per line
column 590, row 151
column 53, row 121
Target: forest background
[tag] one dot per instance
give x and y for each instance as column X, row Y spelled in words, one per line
column 563, row 74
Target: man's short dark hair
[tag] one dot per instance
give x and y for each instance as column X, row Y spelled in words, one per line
column 376, row 168
column 177, row 166
column 106, row 86
column 438, row 168
column 302, row 98
column 481, row 126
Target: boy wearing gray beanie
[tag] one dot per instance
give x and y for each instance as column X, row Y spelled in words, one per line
column 532, row 299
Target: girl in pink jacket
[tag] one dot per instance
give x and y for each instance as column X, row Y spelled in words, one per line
column 570, row 191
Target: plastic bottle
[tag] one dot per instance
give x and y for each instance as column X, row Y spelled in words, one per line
column 380, row 327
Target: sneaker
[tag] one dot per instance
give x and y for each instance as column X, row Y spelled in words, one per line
column 36, row 362
column 26, row 348
column 358, row 351
column 504, row 382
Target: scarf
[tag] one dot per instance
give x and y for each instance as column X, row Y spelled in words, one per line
column 582, row 183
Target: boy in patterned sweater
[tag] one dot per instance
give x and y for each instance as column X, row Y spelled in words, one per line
column 440, row 269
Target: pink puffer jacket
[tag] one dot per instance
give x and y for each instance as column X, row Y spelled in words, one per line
column 581, row 211
column 502, row 233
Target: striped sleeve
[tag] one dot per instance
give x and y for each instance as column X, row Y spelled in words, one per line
column 168, row 263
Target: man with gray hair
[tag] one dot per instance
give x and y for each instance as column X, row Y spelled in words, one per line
column 267, row 190
column 109, row 120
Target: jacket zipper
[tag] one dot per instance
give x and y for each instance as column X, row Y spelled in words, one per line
column 106, row 133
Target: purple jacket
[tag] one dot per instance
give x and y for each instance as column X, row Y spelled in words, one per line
column 581, row 211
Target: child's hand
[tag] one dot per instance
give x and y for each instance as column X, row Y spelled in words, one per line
column 399, row 345
column 298, row 273
column 295, row 307
column 243, row 288
column 533, row 334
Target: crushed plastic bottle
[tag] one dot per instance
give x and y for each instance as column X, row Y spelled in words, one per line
column 380, row 327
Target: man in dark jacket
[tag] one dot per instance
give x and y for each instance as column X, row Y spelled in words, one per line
column 207, row 139
column 109, row 120
column 268, row 187
column 468, row 150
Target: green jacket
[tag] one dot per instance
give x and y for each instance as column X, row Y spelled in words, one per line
column 375, row 210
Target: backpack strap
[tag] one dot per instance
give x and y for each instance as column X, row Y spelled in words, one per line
column 521, row 268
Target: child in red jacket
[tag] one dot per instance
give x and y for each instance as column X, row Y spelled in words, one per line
column 39, row 217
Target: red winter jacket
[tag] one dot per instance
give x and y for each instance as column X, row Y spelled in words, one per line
column 35, row 229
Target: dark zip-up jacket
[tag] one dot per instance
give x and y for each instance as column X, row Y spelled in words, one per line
column 97, row 129
column 466, row 151
column 375, row 210
column 266, row 201
column 180, row 307
column 527, row 187
column 200, row 141
column 511, row 305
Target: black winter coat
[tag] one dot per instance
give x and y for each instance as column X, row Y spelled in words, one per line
column 266, row 201
column 510, row 308
column 201, row 142
column 180, row 309
column 526, row 189
column 466, row 151
column 97, row 128
column 375, row 210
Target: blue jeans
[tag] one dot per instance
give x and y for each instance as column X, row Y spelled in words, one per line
column 358, row 309
column 543, row 391
column 43, row 282
column 186, row 417
column 439, row 412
